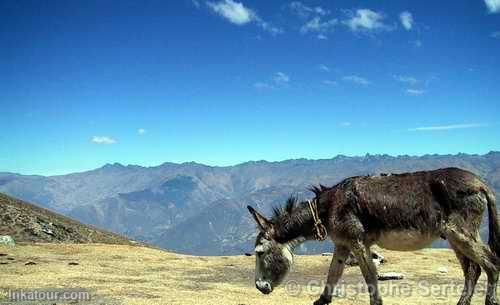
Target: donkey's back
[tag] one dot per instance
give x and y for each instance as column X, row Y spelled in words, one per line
column 408, row 211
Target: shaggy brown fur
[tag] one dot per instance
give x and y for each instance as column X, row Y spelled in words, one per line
column 398, row 212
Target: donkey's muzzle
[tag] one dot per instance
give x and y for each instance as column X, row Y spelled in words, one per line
column 264, row 287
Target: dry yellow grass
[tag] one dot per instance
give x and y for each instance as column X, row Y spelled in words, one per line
column 139, row 275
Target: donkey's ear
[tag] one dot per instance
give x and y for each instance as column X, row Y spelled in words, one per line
column 265, row 226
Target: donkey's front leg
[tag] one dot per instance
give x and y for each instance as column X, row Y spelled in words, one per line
column 334, row 274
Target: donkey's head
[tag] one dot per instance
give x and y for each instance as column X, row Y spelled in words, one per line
column 273, row 260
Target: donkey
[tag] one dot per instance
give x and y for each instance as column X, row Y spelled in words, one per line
column 401, row 212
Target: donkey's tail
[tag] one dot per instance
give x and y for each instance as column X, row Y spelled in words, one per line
column 494, row 228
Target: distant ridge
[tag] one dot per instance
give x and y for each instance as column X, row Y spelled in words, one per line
column 339, row 157
column 28, row 223
column 200, row 209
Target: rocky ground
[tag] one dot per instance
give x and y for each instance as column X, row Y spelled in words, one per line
column 138, row 275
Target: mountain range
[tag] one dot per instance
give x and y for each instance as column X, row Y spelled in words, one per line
column 199, row 209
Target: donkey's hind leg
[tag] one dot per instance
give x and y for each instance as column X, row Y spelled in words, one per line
column 470, row 245
column 472, row 271
column 369, row 270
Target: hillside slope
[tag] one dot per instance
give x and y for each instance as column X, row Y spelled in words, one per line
column 28, row 223
column 143, row 276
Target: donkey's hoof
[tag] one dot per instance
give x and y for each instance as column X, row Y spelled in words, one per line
column 323, row 301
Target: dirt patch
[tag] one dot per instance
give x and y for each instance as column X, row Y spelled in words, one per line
column 139, row 275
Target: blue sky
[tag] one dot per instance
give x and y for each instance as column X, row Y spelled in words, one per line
column 84, row 83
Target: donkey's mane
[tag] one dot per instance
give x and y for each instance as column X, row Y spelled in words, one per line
column 279, row 212
column 283, row 212
column 318, row 190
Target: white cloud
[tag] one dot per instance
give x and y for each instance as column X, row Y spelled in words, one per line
column 141, row 131
column 366, row 20
column 357, row 80
column 281, row 78
column 329, row 82
column 323, row 67
column 493, row 6
column 448, row 127
column 316, row 25
column 416, row 43
column 102, row 140
column 345, row 124
column 268, row 27
column 196, row 3
column 278, row 80
column 237, row 13
column 233, row 11
column 406, row 79
column 495, row 35
column 305, row 11
column 406, row 19
column 415, row 92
